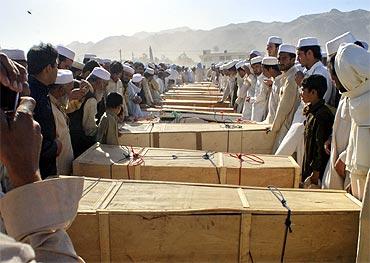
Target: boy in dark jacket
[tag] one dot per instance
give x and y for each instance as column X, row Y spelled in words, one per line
column 318, row 128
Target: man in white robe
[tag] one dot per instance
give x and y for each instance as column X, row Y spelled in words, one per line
column 260, row 99
column 271, row 70
column 251, row 81
column 288, row 96
column 334, row 175
column 309, row 55
column 352, row 66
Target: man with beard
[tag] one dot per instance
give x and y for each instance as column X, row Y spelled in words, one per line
column 58, row 95
column 83, row 125
column 288, row 95
column 127, row 74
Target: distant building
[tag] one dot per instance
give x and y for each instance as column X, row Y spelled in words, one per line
column 208, row 57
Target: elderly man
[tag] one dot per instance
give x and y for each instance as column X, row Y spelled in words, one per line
column 288, row 95
column 82, row 121
column 335, row 176
column 65, row 57
column 153, row 85
column 134, row 100
column 59, row 93
column 42, row 68
column 273, row 43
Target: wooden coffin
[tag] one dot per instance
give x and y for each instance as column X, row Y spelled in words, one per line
column 140, row 221
column 168, row 114
column 201, row 108
column 157, row 164
column 192, row 97
column 191, row 102
column 242, row 138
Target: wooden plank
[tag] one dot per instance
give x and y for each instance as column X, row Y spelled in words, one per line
column 104, row 236
column 196, row 103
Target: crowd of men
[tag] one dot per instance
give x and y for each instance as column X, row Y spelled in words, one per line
column 318, row 105
column 301, row 91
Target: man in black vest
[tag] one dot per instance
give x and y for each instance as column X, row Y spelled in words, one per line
column 42, row 68
column 83, row 125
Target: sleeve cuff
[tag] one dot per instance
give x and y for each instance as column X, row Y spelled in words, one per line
column 43, row 205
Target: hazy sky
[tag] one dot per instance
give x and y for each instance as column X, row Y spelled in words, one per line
column 63, row 21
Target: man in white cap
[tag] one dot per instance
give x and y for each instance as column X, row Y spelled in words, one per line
column 65, row 57
column 273, row 43
column 288, row 96
column 243, row 72
column 134, row 99
column 309, row 55
column 199, row 73
column 127, row 74
column 352, row 66
column 77, row 68
column 83, row 125
column 261, row 95
column 152, row 85
column 271, row 70
column 335, row 176
column 231, row 86
column 250, row 82
column 59, row 93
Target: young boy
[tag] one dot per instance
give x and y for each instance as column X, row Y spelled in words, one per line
column 318, row 127
column 108, row 127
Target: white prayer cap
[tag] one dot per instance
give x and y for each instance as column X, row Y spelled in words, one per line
column 269, row 61
column 287, row 48
column 128, row 69
column 151, row 65
column 78, row 65
column 137, row 78
column 240, row 64
column 255, row 52
column 149, row 71
column 168, row 71
column 308, row 41
column 64, row 51
column 324, row 54
column 89, row 56
column 274, row 40
column 64, row 76
column 14, row 54
column 101, row 73
column 230, row 64
column 333, row 45
column 256, row 60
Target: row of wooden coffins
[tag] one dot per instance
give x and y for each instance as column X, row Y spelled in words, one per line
column 205, row 193
column 145, row 218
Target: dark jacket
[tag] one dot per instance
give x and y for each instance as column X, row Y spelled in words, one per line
column 80, row 141
column 43, row 114
column 318, row 128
